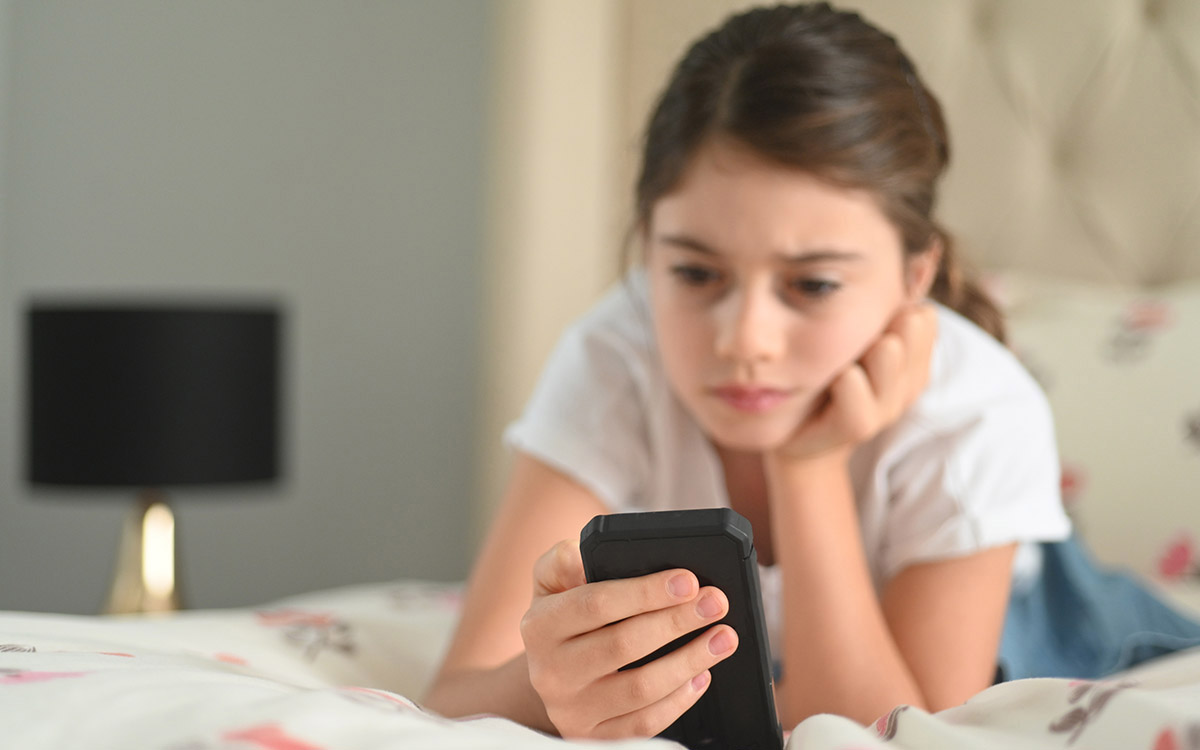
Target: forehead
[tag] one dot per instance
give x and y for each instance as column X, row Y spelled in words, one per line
column 736, row 201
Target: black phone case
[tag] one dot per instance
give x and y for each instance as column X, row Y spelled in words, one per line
column 737, row 712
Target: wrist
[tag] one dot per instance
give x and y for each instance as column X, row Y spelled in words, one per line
column 503, row 690
column 532, row 711
column 834, row 462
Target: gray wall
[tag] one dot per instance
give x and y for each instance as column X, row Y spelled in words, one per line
column 327, row 153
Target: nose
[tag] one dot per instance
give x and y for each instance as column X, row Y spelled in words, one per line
column 750, row 327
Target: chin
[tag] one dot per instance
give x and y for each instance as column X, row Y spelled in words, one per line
column 755, row 433
column 751, row 438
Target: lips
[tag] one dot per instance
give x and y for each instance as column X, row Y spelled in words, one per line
column 750, row 399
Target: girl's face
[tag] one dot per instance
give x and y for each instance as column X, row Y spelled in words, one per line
column 765, row 284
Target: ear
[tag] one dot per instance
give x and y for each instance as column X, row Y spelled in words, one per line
column 921, row 269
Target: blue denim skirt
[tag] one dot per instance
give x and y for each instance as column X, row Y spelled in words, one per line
column 1080, row 620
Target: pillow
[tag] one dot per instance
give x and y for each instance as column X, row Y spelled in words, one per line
column 1121, row 368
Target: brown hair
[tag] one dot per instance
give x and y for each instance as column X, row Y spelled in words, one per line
column 824, row 91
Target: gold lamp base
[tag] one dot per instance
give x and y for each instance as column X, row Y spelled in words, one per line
column 144, row 580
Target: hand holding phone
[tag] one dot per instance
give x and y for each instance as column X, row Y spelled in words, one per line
column 578, row 636
column 737, row 712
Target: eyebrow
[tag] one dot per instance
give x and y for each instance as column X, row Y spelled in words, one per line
column 819, row 255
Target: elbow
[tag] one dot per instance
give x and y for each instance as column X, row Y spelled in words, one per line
column 439, row 696
column 432, row 698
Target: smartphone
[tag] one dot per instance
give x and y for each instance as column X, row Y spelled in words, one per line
column 737, row 712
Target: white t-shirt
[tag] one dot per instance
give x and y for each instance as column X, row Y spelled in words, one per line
column 972, row 464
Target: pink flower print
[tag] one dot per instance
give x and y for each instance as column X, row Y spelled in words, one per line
column 378, row 699
column 1179, row 559
column 24, row 677
column 887, row 725
column 1072, row 480
column 1136, row 328
column 1148, row 315
column 314, row 632
column 268, row 737
column 1168, row 739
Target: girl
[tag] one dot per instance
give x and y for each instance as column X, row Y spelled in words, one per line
column 774, row 351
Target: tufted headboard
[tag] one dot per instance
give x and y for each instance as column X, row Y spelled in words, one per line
column 1074, row 124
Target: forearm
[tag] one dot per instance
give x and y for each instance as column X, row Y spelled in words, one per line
column 503, row 691
column 839, row 655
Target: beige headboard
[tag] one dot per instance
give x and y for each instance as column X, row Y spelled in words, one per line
column 1074, row 124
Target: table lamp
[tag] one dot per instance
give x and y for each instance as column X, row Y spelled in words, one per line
column 150, row 396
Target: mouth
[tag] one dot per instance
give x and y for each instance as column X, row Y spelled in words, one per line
column 750, row 399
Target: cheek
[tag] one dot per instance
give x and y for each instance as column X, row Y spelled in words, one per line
column 684, row 343
column 826, row 350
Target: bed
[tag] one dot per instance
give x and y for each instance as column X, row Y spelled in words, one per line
column 342, row 669
column 1076, row 190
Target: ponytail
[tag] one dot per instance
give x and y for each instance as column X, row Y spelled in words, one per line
column 957, row 290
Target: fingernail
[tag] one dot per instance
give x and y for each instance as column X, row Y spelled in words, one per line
column 708, row 606
column 721, row 643
column 700, row 681
column 680, row 585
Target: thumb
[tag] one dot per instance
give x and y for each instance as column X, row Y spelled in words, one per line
column 559, row 569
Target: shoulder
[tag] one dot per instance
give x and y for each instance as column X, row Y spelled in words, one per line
column 973, row 376
column 981, row 436
column 982, row 416
column 619, row 324
column 591, row 414
column 974, row 463
column 605, row 358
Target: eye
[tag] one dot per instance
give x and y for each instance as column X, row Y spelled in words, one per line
column 697, row 276
column 813, row 287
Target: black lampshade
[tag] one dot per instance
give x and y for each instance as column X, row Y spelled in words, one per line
column 152, row 395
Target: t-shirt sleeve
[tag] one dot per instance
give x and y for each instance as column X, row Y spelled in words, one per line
column 585, row 417
column 988, row 481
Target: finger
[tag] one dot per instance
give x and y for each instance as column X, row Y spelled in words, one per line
column 653, row 719
column 922, row 311
column 559, row 569
column 856, row 417
column 590, row 607
column 648, row 699
column 606, row 650
column 885, row 367
column 831, row 426
column 916, row 325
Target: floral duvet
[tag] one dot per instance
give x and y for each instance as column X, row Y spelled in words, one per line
column 345, row 669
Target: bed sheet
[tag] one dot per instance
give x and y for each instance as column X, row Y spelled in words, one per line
column 345, row 668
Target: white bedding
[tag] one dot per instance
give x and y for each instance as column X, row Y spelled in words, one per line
column 342, row 669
